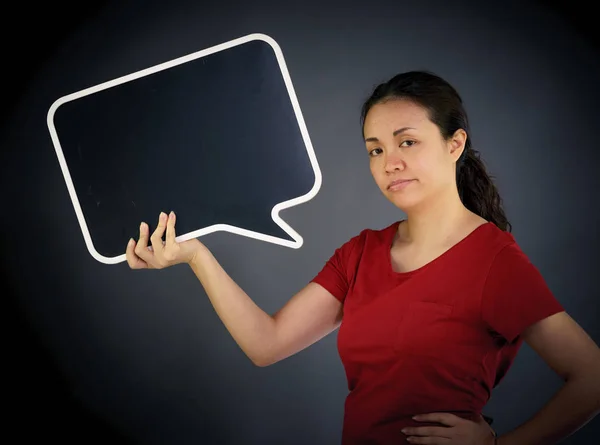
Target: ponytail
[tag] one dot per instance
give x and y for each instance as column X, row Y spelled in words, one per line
column 477, row 190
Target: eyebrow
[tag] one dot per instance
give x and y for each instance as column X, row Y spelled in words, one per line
column 396, row 133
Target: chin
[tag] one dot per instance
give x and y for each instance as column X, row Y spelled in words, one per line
column 404, row 203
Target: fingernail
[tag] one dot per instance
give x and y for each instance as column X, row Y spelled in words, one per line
column 163, row 215
column 172, row 214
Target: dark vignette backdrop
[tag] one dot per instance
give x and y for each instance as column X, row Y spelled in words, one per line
column 67, row 378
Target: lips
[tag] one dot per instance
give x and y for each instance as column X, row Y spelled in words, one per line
column 399, row 183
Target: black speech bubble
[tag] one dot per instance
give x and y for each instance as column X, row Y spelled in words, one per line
column 217, row 136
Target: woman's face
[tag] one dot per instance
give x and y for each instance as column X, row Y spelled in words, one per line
column 409, row 159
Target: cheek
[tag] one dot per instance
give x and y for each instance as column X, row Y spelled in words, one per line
column 376, row 170
column 430, row 168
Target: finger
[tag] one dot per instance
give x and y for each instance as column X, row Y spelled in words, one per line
column 143, row 239
column 156, row 238
column 134, row 261
column 443, row 418
column 437, row 431
column 141, row 248
column 170, row 237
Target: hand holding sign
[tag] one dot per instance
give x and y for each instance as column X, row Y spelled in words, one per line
column 160, row 254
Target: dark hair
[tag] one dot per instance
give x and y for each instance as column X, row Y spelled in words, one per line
column 445, row 109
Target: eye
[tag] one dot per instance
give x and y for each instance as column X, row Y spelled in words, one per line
column 373, row 152
column 410, row 142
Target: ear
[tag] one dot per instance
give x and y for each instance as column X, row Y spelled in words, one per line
column 456, row 144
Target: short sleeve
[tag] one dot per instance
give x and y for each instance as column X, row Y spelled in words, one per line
column 335, row 274
column 515, row 295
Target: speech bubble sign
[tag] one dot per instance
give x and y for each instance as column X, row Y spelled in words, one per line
column 217, row 136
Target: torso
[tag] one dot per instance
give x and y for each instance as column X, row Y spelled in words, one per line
column 419, row 341
column 414, row 342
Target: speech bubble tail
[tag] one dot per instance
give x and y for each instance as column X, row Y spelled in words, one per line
column 274, row 231
column 280, row 229
column 271, row 231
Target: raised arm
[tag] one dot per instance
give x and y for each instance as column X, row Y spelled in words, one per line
column 307, row 317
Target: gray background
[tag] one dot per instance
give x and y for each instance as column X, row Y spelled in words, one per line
column 144, row 354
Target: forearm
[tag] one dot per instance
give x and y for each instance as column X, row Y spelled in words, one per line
column 251, row 327
column 574, row 405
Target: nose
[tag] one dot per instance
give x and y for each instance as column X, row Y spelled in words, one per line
column 394, row 162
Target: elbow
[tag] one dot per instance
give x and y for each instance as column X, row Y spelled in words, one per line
column 261, row 362
column 590, row 386
column 265, row 356
column 596, row 386
column 595, row 381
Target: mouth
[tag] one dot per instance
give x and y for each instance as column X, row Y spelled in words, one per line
column 399, row 184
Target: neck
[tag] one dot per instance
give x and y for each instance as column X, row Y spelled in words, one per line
column 434, row 222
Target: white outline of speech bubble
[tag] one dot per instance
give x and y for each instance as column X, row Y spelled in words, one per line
column 297, row 239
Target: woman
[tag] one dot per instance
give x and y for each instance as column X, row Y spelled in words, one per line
column 432, row 309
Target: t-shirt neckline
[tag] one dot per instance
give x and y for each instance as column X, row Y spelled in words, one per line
column 456, row 246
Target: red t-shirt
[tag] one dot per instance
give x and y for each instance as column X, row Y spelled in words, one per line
column 436, row 339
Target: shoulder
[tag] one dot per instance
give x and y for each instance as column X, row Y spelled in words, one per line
column 339, row 271
column 504, row 246
column 516, row 294
column 511, row 266
column 367, row 242
column 491, row 244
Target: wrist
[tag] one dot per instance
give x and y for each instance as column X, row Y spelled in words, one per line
column 198, row 251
